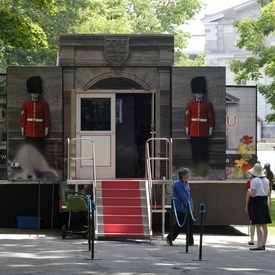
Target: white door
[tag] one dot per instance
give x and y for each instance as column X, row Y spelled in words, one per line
column 95, row 119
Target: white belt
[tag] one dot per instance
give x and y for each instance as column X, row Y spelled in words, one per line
column 35, row 119
column 199, row 119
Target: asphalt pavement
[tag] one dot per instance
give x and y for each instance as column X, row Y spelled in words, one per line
column 224, row 250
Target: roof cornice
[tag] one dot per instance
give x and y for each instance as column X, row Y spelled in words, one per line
column 211, row 18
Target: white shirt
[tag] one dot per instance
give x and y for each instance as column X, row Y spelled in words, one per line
column 261, row 185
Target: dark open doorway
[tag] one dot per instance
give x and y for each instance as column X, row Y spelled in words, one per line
column 132, row 131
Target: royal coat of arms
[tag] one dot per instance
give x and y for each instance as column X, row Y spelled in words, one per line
column 116, row 49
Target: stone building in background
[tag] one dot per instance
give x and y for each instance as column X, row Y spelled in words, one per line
column 219, row 42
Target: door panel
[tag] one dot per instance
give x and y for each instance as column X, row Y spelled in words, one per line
column 102, row 155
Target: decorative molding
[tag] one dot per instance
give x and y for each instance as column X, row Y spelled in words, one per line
column 116, row 49
column 117, row 71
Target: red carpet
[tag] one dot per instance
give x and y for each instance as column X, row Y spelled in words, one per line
column 122, row 208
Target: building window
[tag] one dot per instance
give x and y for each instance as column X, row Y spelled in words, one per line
column 242, row 82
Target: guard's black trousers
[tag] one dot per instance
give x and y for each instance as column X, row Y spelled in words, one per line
column 199, row 150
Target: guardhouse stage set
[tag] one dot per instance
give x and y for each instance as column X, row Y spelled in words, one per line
column 119, row 113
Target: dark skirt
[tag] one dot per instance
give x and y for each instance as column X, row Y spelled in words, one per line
column 260, row 210
column 249, row 206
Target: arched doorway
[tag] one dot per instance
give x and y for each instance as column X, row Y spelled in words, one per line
column 132, row 127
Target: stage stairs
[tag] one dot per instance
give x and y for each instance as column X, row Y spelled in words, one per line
column 125, row 207
column 122, row 209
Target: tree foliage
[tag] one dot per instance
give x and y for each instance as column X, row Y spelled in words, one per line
column 144, row 17
column 30, row 29
column 254, row 37
column 264, row 2
column 17, row 27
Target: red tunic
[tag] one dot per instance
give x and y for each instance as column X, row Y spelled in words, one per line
column 35, row 118
column 199, row 118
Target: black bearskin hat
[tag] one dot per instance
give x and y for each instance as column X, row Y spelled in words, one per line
column 198, row 85
column 34, row 85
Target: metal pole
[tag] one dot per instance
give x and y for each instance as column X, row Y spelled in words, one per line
column 89, row 222
column 187, row 228
column 93, row 233
column 171, row 222
column 201, row 234
column 68, row 160
column 52, row 212
column 39, row 206
column 163, row 210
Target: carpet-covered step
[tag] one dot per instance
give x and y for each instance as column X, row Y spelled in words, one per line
column 122, row 193
column 122, row 228
column 119, row 184
column 117, row 235
column 134, row 201
column 121, row 219
column 122, row 209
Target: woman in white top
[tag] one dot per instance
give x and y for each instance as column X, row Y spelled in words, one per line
column 260, row 193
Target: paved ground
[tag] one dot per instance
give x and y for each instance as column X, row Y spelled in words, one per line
column 224, row 251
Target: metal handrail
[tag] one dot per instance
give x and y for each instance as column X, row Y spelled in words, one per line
column 92, row 157
column 169, row 171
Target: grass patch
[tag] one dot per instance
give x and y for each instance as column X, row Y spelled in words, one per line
column 271, row 226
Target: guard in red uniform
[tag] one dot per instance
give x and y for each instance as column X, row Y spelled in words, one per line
column 199, row 125
column 35, row 115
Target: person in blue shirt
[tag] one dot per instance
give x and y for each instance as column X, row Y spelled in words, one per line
column 181, row 195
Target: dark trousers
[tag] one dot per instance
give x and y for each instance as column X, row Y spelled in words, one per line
column 177, row 229
column 199, row 150
column 200, row 158
column 37, row 142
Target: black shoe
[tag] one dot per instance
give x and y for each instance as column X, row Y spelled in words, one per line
column 251, row 243
column 258, row 248
column 168, row 241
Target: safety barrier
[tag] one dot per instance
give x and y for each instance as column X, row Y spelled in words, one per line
column 78, row 159
column 201, row 211
column 153, row 176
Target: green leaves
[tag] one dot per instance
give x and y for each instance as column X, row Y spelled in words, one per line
column 27, row 34
column 30, row 30
column 143, row 17
column 18, row 29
